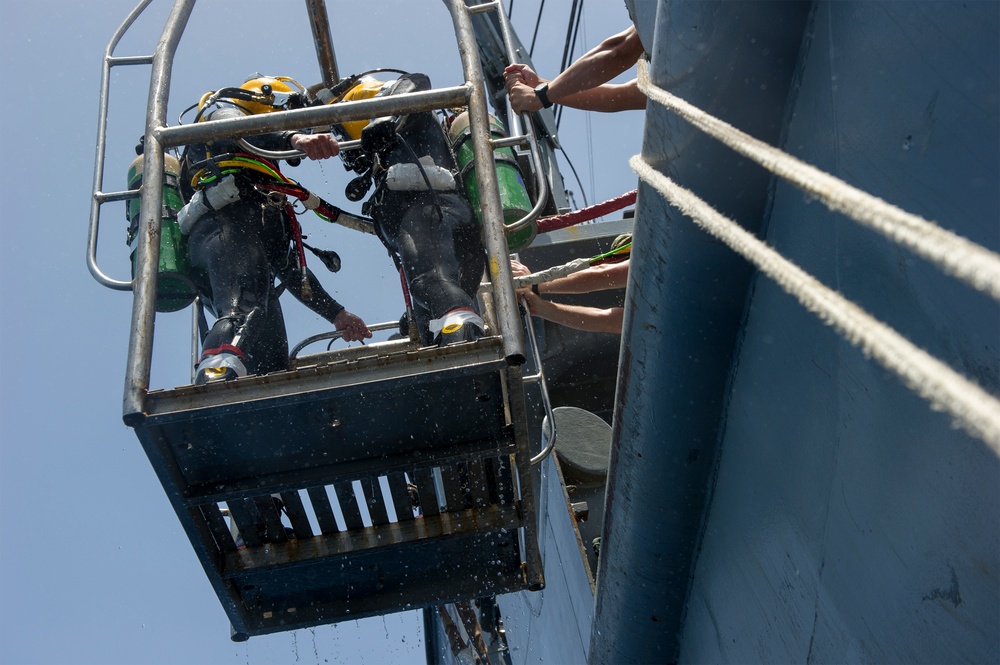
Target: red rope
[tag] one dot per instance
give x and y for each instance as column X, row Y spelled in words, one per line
column 586, row 214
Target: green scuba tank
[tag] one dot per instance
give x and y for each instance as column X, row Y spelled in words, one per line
column 513, row 195
column 174, row 289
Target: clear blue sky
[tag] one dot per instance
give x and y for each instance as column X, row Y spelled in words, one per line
column 94, row 567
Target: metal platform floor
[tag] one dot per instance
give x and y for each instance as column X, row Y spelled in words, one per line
column 358, row 483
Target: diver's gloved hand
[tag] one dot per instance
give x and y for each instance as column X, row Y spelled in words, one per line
column 379, row 136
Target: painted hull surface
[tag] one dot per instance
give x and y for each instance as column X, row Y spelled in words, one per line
column 872, row 529
column 786, row 499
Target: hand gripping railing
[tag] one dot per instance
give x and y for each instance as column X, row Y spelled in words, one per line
column 337, row 334
column 289, row 154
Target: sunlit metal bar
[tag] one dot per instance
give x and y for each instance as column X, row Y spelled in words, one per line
column 429, row 100
column 102, row 125
column 489, row 192
column 140, row 347
column 325, row 55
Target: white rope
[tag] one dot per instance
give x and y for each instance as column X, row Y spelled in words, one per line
column 549, row 274
column 973, row 409
column 957, row 256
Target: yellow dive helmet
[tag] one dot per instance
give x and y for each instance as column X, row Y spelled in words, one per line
column 273, row 91
column 365, row 88
column 259, row 94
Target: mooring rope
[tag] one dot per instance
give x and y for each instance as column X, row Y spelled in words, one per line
column 957, row 256
column 973, row 408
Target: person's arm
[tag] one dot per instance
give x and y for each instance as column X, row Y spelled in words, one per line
column 608, row 98
column 605, row 98
column 321, row 302
column 607, row 60
column 601, row 277
column 591, row 319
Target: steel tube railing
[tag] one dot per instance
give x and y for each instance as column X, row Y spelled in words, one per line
column 541, row 182
column 315, row 116
column 325, row 56
column 289, row 154
column 140, row 348
column 337, row 334
column 504, row 298
column 543, row 388
column 494, row 235
column 102, row 126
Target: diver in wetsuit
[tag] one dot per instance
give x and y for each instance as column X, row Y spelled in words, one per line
column 420, row 213
column 240, row 239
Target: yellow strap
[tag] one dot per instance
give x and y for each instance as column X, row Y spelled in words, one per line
column 239, row 164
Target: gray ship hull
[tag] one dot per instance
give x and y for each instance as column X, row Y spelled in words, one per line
column 775, row 495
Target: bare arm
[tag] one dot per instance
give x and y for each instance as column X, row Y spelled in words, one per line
column 607, row 60
column 596, row 278
column 608, row 98
column 605, row 98
column 320, row 301
column 591, row 319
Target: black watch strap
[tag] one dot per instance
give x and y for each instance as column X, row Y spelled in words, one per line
column 542, row 92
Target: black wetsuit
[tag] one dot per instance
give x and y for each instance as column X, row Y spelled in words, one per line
column 432, row 234
column 237, row 252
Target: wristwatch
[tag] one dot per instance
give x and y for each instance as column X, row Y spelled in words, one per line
column 542, row 92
